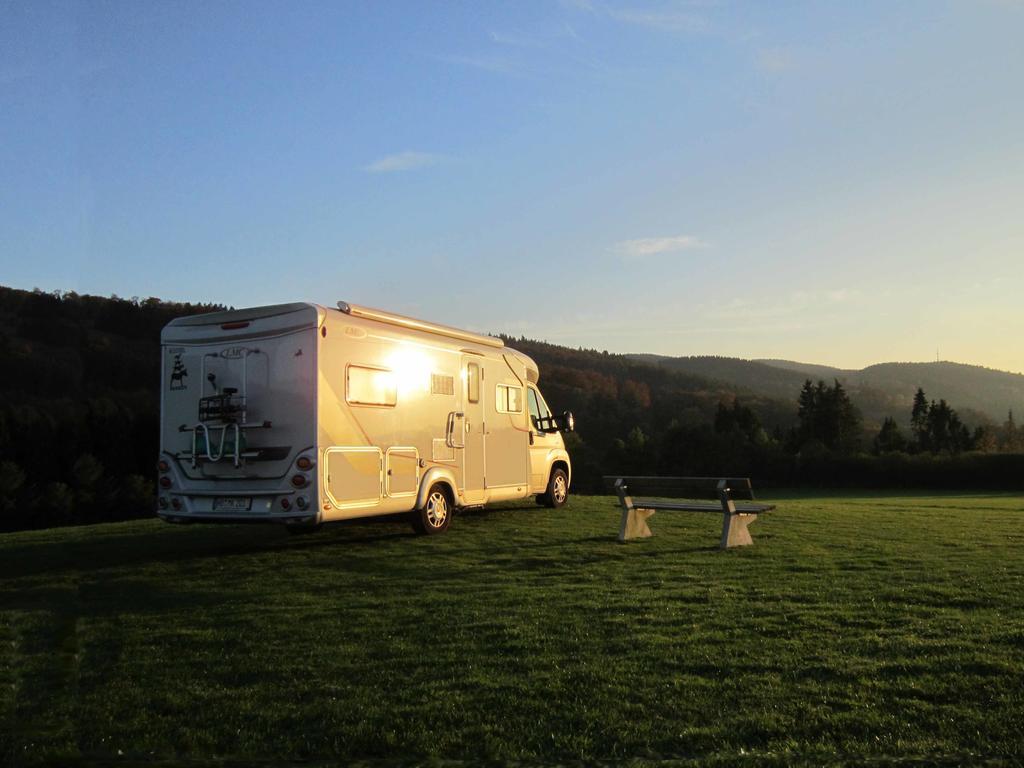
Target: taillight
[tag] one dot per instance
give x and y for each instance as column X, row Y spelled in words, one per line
column 304, row 463
column 298, row 480
column 234, row 326
column 176, row 502
column 163, row 466
column 285, row 504
column 165, row 482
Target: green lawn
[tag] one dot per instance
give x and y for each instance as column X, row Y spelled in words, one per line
column 860, row 626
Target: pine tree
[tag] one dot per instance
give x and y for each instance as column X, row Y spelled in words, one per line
column 806, row 401
column 889, row 438
column 1012, row 438
column 945, row 431
column 919, row 420
column 828, row 415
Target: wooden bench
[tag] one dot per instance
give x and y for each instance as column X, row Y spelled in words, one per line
column 736, row 516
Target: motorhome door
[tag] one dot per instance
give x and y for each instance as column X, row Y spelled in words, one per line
column 473, row 454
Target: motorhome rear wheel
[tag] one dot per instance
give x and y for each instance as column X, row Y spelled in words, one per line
column 436, row 513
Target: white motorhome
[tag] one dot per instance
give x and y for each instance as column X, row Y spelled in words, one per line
column 303, row 414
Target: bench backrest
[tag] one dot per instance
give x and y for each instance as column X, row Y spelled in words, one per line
column 682, row 487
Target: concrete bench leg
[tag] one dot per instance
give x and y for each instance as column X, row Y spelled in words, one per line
column 634, row 524
column 734, row 530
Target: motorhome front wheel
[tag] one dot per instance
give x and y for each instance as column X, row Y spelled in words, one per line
column 558, row 489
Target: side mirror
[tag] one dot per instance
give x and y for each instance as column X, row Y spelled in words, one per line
column 568, row 422
column 550, row 424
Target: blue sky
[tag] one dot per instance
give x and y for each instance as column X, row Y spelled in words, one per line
column 834, row 182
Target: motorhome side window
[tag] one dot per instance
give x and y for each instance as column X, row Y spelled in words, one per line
column 473, row 382
column 538, row 408
column 531, row 403
column 508, row 399
column 370, row 386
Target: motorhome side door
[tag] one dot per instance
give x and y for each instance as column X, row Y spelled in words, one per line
column 473, row 452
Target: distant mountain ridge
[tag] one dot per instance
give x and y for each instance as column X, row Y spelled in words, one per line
column 884, row 389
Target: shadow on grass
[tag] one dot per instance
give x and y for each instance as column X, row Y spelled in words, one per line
column 199, row 541
column 158, row 544
column 133, row 597
column 181, row 543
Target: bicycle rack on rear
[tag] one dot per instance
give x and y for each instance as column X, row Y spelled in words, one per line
column 225, row 412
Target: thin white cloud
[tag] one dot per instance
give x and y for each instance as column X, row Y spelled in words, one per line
column 541, row 38
column 666, row 21
column 802, row 307
column 498, row 64
column 677, row 17
column 654, row 246
column 403, row 161
column 517, row 39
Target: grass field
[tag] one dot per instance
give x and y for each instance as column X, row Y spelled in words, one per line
column 857, row 627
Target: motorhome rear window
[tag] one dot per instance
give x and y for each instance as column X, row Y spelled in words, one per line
column 370, row 386
column 508, row 399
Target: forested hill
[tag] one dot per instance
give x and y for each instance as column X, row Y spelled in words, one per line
column 62, row 345
column 618, row 392
column 985, row 390
column 882, row 390
column 79, row 399
column 750, row 375
column 80, row 386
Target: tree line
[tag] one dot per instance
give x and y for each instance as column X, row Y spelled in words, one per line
column 79, row 419
column 79, row 406
column 690, row 426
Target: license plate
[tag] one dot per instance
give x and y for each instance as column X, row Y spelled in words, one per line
column 232, row 504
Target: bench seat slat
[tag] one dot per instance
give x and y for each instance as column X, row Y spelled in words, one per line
column 698, row 506
column 682, row 487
